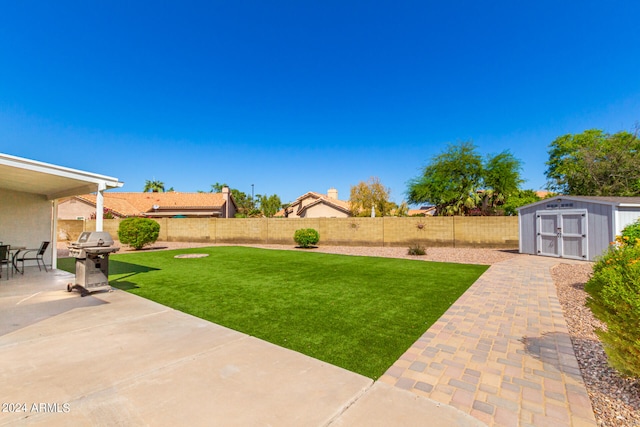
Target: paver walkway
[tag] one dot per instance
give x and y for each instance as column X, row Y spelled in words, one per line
column 502, row 352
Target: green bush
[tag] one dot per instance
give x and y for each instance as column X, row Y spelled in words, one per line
column 631, row 233
column 306, row 237
column 138, row 232
column 614, row 291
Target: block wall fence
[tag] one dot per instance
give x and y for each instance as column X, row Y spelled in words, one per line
column 486, row 232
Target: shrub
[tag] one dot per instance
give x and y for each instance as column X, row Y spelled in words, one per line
column 416, row 250
column 306, row 237
column 138, row 232
column 614, row 291
column 631, row 233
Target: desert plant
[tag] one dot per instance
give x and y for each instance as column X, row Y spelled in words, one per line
column 631, row 233
column 306, row 237
column 614, row 291
column 416, row 250
column 138, row 232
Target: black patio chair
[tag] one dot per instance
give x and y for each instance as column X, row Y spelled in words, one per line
column 37, row 257
column 5, row 259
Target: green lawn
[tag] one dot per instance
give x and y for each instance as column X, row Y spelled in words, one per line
column 360, row 313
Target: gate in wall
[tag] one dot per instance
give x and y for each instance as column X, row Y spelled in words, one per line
column 562, row 233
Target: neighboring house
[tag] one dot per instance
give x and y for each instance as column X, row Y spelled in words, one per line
column 423, row 211
column 316, row 205
column 543, row 193
column 154, row 205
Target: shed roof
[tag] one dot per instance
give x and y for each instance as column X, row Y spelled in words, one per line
column 602, row 200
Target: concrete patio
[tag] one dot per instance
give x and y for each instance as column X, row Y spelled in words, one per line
column 116, row 359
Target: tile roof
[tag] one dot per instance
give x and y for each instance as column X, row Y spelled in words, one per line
column 430, row 210
column 339, row 204
column 129, row 204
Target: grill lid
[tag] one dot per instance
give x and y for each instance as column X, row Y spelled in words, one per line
column 92, row 239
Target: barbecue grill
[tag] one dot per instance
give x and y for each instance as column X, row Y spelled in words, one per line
column 91, row 252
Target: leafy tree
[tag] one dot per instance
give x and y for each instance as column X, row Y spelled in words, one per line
column 451, row 181
column 153, row 186
column 364, row 195
column 458, row 182
column 501, row 179
column 402, row 209
column 217, row 187
column 520, row 198
column 269, row 205
column 595, row 163
column 246, row 206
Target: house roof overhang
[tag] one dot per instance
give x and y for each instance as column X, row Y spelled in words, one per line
column 51, row 181
column 188, row 213
column 326, row 202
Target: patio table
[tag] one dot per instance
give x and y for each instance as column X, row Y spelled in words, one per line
column 17, row 250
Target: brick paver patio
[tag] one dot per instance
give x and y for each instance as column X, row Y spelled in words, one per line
column 502, row 352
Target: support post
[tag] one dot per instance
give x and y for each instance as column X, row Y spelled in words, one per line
column 100, row 206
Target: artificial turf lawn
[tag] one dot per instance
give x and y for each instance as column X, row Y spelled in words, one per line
column 360, row 313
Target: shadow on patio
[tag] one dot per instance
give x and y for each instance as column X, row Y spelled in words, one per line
column 37, row 296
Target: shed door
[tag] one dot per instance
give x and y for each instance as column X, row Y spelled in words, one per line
column 548, row 234
column 562, row 234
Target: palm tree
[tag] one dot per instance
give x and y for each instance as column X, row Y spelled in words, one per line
column 154, row 186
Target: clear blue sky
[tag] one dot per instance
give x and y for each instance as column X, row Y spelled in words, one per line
column 297, row 96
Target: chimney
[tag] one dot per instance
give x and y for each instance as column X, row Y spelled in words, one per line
column 225, row 196
column 332, row 194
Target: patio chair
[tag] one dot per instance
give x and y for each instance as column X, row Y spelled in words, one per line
column 5, row 259
column 39, row 253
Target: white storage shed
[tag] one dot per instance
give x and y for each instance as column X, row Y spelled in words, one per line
column 576, row 227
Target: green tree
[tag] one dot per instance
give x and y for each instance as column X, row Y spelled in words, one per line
column 520, row 198
column 594, row 163
column 458, row 182
column 402, row 209
column 364, row 195
column 217, row 187
column 269, row 205
column 153, row 186
column 246, row 205
column 450, row 181
column 501, row 179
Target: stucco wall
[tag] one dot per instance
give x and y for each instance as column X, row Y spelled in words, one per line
column 25, row 220
column 324, row 211
column 74, row 208
column 499, row 232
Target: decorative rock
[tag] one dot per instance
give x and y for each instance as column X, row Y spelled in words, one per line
column 191, row 256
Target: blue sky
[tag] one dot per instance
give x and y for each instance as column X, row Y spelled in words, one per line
column 297, row 96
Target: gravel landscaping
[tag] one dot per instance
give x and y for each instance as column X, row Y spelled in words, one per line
column 615, row 400
column 458, row 255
